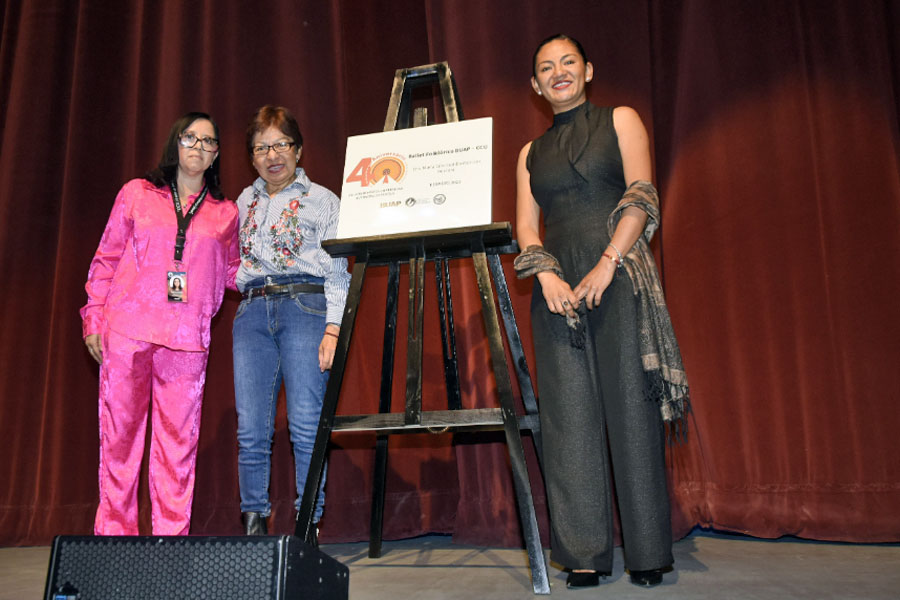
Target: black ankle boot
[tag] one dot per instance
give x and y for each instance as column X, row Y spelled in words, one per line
column 254, row 523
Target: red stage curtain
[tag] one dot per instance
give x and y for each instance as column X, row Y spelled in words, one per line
column 776, row 145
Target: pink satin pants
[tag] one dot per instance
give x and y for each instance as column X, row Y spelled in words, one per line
column 133, row 373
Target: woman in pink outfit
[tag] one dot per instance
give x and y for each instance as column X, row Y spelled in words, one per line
column 171, row 231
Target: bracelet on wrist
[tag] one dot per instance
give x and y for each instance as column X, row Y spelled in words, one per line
column 619, row 254
column 614, row 260
column 334, row 335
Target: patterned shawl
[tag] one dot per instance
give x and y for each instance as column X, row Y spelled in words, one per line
column 659, row 348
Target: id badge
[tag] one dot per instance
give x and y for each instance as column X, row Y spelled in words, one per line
column 176, row 284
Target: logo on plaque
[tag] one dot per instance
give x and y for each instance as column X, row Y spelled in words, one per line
column 380, row 170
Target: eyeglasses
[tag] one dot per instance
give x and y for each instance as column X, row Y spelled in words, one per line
column 189, row 140
column 279, row 147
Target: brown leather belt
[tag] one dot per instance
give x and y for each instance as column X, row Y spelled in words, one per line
column 281, row 290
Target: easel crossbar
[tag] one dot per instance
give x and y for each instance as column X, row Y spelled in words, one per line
column 435, row 421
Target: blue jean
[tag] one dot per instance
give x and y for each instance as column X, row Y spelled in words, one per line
column 277, row 338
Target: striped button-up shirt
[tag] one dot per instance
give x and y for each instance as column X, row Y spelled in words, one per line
column 282, row 235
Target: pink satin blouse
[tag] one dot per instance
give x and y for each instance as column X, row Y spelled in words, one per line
column 126, row 284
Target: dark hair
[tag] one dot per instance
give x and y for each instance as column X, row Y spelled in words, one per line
column 167, row 169
column 273, row 116
column 554, row 37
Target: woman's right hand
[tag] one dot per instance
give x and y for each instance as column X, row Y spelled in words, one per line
column 92, row 342
column 559, row 296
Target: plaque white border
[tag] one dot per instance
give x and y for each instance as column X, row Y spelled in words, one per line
column 417, row 179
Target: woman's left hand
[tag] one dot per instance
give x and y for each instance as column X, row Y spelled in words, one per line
column 591, row 288
column 327, row 347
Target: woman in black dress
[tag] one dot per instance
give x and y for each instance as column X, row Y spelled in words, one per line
column 589, row 176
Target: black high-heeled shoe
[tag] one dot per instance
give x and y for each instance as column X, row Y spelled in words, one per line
column 584, row 579
column 646, row 578
column 580, row 580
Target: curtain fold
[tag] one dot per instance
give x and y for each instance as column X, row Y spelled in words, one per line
column 776, row 152
column 777, row 156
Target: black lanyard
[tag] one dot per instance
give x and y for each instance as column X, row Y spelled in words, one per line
column 184, row 220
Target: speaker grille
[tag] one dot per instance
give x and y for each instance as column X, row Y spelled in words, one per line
column 104, row 568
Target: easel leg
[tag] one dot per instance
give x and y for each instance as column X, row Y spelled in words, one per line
column 376, row 522
column 448, row 332
column 329, row 404
column 539, row 580
column 523, row 375
column 414, row 339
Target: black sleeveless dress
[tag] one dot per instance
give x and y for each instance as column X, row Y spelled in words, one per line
column 595, row 420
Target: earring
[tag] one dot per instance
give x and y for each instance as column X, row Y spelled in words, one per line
column 539, row 93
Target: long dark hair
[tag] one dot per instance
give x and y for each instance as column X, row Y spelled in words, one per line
column 556, row 36
column 167, row 169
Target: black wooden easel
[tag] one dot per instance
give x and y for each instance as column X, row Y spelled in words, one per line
column 483, row 244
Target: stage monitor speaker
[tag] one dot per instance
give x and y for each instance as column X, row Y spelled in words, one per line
column 192, row 568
